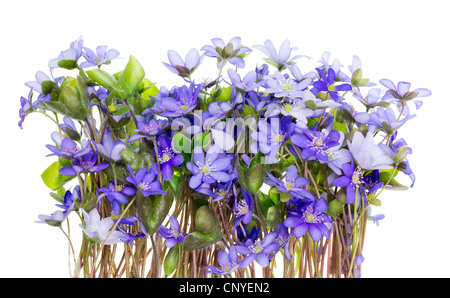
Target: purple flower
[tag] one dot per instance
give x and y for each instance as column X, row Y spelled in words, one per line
column 242, row 209
column 117, row 195
column 109, row 149
column 148, row 127
column 247, row 83
column 70, row 198
column 278, row 59
column 102, row 56
column 183, row 68
column 326, row 84
column 258, row 250
column 145, row 181
column 209, row 168
column 374, row 98
column 55, row 219
column 167, row 158
column 228, row 262
column 271, row 136
column 352, row 180
column 185, row 100
column 226, row 53
column 172, row 235
column 382, row 118
column 312, row 219
column 282, row 240
column 284, row 86
column 315, row 143
column 83, row 164
column 293, row 184
column 70, row 55
column 402, row 94
column 68, row 149
column 25, row 107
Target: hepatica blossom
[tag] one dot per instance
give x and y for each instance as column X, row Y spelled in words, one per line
column 224, row 171
column 207, row 167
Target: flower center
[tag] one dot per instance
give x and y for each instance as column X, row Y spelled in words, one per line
column 150, row 127
column 311, row 217
column 276, row 139
column 167, row 155
column 288, row 107
column 87, row 164
column 256, row 247
column 357, row 176
column 331, row 88
column 227, row 266
column 242, row 208
column 175, row 234
column 72, row 149
column 289, row 185
column 144, row 186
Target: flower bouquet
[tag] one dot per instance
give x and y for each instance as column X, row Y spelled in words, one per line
column 271, row 172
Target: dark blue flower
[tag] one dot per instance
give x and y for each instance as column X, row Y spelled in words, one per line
column 292, row 184
column 85, row 163
column 243, row 208
column 315, row 143
column 172, row 235
column 352, row 180
column 312, row 219
column 184, row 100
column 145, row 181
column 167, row 158
column 326, row 84
column 117, row 195
column 258, row 250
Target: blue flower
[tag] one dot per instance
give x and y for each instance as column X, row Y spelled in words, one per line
column 272, row 134
column 172, row 235
column 101, row 56
column 352, row 180
column 145, row 181
column 228, row 262
column 258, row 250
column 226, row 53
column 148, row 127
column 312, row 219
column 401, row 94
column 109, row 149
column 183, row 68
column 326, row 84
column 84, row 163
column 278, row 59
column 247, row 83
column 70, row 55
column 209, row 168
column 369, row 155
column 384, row 119
column 293, row 184
column 185, row 100
column 117, row 195
column 243, row 208
column 284, row 86
column 167, row 158
column 315, row 143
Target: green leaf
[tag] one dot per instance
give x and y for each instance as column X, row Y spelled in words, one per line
column 131, row 77
column 171, row 260
column 67, row 64
column 89, row 201
column 273, row 217
column 121, row 109
column 202, row 140
column 207, row 230
column 400, row 155
column 161, row 207
column 335, row 208
column 47, row 87
column 52, row 178
column 254, row 178
column 356, row 77
column 181, row 144
column 133, row 159
column 144, row 210
column 57, row 197
column 224, row 95
column 104, row 79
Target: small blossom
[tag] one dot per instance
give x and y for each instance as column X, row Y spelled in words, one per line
column 172, row 235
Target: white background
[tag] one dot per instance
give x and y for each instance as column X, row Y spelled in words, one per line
column 399, row 40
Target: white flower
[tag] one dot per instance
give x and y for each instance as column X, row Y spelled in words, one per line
column 368, row 154
column 97, row 229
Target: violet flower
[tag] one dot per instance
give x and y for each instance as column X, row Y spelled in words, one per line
column 84, row 164
column 167, row 158
column 25, row 107
column 271, row 136
column 68, row 149
column 229, row 52
column 382, row 118
column 258, row 250
column 352, row 180
column 278, row 59
column 315, row 143
column 172, row 235
column 99, row 57
column 228, row 262
column 247, row 83
column 148, row 127
column 117, row 195
column 185, row 100
column 292, row 184
column 242, row 209
column 312, row 219
column 209, row 168
column 401, row 94
column 70, row 55
column 145, row 181
column 110, row 150
column 326, row 84
column 183, row 68
column 284, row 86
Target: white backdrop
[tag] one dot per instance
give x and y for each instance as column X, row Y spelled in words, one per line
column 399, row 40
